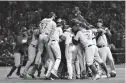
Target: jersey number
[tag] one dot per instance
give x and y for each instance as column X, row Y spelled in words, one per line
column 88, row 35
column 44, row 25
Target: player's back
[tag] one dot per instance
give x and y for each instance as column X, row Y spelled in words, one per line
column 86, row 36
column 46, row 25
column 57, row 32
column 68, row 34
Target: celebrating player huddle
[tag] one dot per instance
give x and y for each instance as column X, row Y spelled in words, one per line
column 86, row 49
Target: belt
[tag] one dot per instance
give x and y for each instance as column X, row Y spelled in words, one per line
column 100, row 46
column 34, row 45
column 90, row 45
column 53, row 40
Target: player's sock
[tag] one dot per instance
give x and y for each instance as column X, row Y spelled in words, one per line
column 104, row 68
column 39, row 70
column 12, row 70
column 93, row 68
column 40, row 67
column 36, row 66
column 18, row 70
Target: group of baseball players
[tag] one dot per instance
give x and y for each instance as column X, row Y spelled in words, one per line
column 85, row 48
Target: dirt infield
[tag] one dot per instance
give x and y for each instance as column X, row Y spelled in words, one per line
column 120, row 78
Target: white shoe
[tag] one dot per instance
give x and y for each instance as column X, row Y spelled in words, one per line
column 108, row 75
column 48, row 75
column 53, row 72
column 97, row 76
column 51, row 78
column 113, row 74
column 69, row 78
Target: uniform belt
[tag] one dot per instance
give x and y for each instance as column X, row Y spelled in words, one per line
column 53, row 40
column 90, row 45
column 34, row 45
column 100, row 46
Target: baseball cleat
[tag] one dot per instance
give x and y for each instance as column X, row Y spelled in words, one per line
column 23, row 76
column 108, row 75
column 112, row 74
column 32, row 76
column 78, row 77
column 8, row 76
column 17, row 74
column 46, row 78
column 39, row 73
column 97, row 76
column 53, row 74
column 69, row 78
column 49, row 78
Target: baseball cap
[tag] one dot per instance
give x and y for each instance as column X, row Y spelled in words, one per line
column 52, row 14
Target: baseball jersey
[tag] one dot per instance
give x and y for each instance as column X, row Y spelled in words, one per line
column 34, row 40
column 55, row 35
column 85, row 37
column 47, row 25
column 68, row 34
column 79, row 18
column 102, row 40
column 94, row 35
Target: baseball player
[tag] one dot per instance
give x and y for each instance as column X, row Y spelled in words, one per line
column 68, row 51
column 82, row 63
column 76, row 15
column 46, row 28
column 91, row 51
column 104, row 50
column 76, row 54
column 18, row 51
column 62, row 71
column 32, row 50
column 54, row 51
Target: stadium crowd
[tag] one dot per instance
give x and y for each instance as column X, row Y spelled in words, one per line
column 15, row 16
